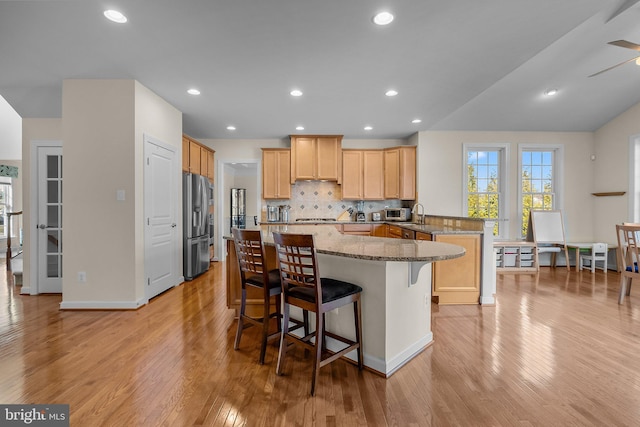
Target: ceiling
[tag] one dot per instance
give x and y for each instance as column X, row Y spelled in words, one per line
column 456, row 64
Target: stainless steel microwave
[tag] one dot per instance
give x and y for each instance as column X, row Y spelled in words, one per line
column 397, row 214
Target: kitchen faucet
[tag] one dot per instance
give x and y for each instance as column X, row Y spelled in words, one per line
column 419, row 216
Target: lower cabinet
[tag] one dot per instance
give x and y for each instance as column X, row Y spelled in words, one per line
column 357, row 229
column 457, row 281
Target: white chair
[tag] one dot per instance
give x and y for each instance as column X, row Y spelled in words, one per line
column 599, row 252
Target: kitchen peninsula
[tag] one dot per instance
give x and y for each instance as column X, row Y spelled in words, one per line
column 395, row 275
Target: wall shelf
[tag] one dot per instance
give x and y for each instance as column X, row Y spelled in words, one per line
column 609, row 193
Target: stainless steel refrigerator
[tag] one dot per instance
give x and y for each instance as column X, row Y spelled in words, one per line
column 195, row 207
column 238, row 207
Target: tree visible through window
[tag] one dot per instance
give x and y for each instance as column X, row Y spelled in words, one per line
column 537, row 185
column 483, row 185
column 5, row 206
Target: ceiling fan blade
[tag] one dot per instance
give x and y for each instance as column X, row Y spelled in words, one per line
column 617, row 65
column 626, row 44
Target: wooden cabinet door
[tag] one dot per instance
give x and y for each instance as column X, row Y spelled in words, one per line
column 303, row 152
column 276, row 165
column 316, row 157
column 194, row 157
column 392, row 174
column 379, row 230
column 210, row 159
column 204, row 161
column 457, row 281
column 357, row 229
column 328, row 157
column 400, row 173
column 423, row 236
column 394, row 231
column 185, row 154
column 372, row 175
column 352, row 174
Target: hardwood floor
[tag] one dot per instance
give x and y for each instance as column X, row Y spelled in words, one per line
column 557, row 349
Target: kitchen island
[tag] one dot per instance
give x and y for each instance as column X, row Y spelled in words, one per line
column 396, row 279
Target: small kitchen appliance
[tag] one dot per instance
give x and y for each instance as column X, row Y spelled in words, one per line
column 397, row 214
column 273, row 214
column 360, row 217
column 375, row 216
column 284, row 213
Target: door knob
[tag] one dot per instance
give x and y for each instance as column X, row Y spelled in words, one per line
column 173, row 225
column 42, row 226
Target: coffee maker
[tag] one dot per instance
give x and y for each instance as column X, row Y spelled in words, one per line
column 360, row 216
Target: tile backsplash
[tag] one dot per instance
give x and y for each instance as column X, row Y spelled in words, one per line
column 317, row 199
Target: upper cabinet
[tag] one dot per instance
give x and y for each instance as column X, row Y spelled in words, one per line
column 316, row 157
column 276, row 171
column 362, row 176
column 197, row 158
column 400, row 173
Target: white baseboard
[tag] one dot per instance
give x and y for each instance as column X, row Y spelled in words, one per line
column 102, row 305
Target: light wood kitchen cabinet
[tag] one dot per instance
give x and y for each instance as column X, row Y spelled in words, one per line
column 197, row 158
column 400, row 173
column 457, row 281
column 316, row 157
column 379, row 230
column 362, row 174
column 210, row 169
column 423, row 236
column 276, row 166
column 357, row 229
column 195, row 162
column 394, row 231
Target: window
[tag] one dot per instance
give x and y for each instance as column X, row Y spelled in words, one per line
column 484, row 194
column 5, row 204
column 539, row 180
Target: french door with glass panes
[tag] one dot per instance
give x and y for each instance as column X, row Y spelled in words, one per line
column 49, row 225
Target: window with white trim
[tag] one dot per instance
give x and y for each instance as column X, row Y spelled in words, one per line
column 484, row 192
column 5, row 204
column 540, row 180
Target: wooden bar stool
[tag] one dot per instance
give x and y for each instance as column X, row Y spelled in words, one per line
column 302, row 287
column 253, row 272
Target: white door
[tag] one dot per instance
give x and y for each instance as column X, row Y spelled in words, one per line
column 161, row 231
column 49, row 220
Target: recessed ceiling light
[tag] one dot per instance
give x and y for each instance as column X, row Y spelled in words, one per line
column 193, row 91
column 391, row 92
column 296, row 92
column 416, row 121
column 368, row 128
column 383, row 18
column 299, row 127
column 550, row 92
column 231, row 128
column 115, row 16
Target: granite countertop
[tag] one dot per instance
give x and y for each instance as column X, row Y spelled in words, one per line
column 330, row 241
column 429, row 229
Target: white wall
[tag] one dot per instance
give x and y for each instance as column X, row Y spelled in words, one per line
column 611, row 173
column 10, row 132
column 32, row 130
column 441, row 174
column 159, row 119
column 104, row 122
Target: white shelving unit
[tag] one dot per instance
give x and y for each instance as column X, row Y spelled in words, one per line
column 515, row 256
